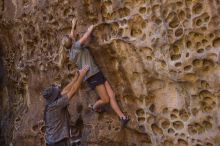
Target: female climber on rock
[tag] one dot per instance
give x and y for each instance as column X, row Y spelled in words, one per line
column 79, row 53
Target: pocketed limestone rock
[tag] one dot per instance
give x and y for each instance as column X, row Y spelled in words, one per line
column 160, row 57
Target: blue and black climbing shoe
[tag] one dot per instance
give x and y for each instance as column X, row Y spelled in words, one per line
column 124, row 121
column 97, row 110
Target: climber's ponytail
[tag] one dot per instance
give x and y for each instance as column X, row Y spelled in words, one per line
column 66, row 43
column 62, row 56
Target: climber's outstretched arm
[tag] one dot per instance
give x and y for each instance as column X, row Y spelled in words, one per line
column 69, row 86
column 74, row 21
column 74, row 85
column 83, row 39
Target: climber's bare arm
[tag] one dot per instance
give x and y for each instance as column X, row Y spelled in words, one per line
column 74, row 85
column 74, row 21
column 68, row 87
column 83, row 39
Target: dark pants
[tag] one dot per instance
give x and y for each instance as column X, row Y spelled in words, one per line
column 60, row 143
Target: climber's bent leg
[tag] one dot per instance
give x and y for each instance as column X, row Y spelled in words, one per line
column 97, row 82
column 101, row 91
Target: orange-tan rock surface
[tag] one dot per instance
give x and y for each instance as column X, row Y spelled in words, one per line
column 162, row 58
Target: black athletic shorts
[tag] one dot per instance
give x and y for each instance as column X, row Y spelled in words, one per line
column 96, row 80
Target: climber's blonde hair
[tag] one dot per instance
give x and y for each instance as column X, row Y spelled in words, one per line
column 66, row 41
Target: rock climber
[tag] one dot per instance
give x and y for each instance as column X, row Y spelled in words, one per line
column 79, row 53
column 56, row 113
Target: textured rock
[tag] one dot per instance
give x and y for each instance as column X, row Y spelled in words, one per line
column 160, row 56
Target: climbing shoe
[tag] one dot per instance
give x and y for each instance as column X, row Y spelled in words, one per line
column 98, row 110
column 124, row 121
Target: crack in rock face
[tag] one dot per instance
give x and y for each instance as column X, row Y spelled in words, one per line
column 161, row 58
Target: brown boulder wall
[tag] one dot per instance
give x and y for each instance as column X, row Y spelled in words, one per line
column 162, row 58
